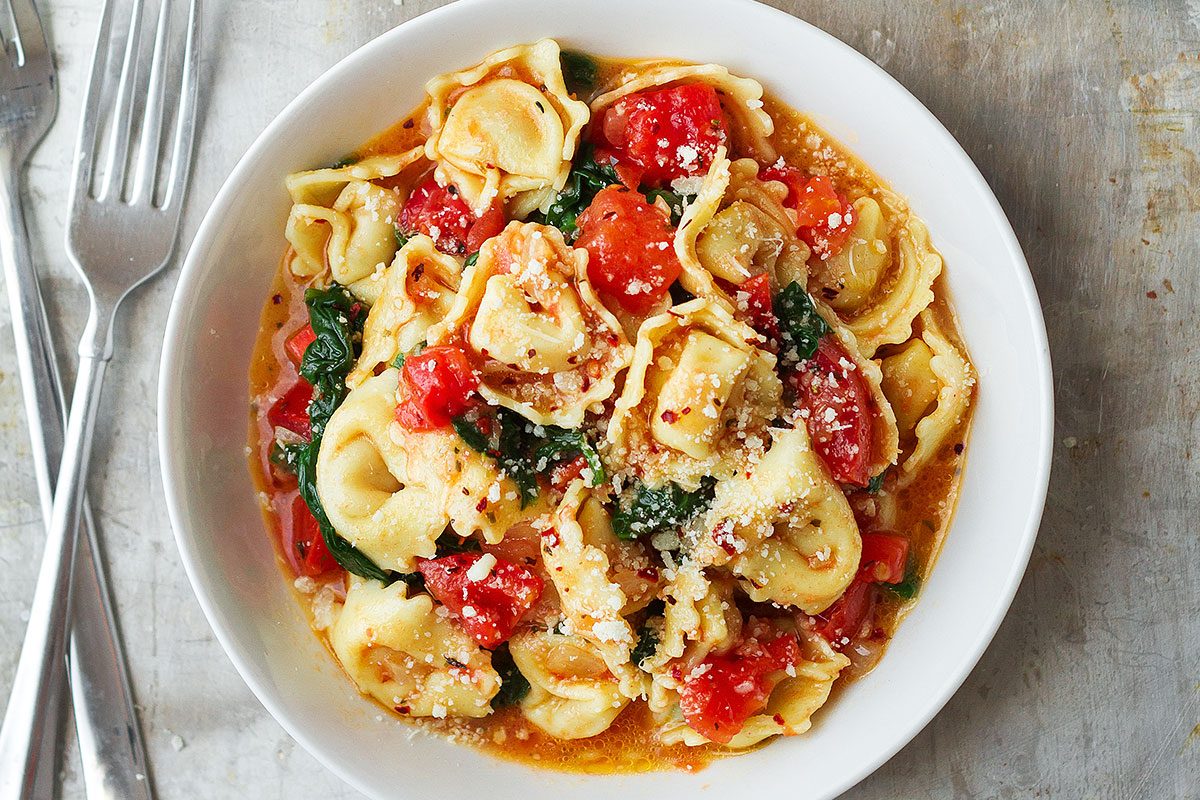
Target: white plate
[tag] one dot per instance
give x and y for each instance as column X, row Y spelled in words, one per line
column 214, row 318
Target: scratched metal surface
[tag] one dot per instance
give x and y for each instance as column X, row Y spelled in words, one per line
column 1082, row 115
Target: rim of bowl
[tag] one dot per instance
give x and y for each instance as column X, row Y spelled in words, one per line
column 169, row 397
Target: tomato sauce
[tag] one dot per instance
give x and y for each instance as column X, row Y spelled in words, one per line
column 922, row 510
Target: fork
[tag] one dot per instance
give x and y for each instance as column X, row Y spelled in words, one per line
column 110, row 742
column 126, row 201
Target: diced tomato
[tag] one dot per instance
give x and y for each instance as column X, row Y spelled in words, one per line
column 488, row 225
column 630, row 244
column 725, row 690
column 436, row 386
column 837, row 409
column 488, row 606
column 843, row 621
column 884, row 557
column 566, row 471
column 291, row 410
column 759, row 312
column 791, row 177
column 441, row 213
column 298, row 342
column 824, row 218
column 314, row 555
column 668, row 133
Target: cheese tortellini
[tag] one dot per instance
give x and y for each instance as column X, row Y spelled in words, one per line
column 417, row 292
column 785, row 528
column 410, row 659
column 550, row 348
column 572, row 694
column 343, row 221
column 738, row 228
column 697, row 399
column 372, row 493
column 506, row 128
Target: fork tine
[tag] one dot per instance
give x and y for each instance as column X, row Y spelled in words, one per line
column 122, row 129
column 145, row 170
column 30, row 35
column 89, row 129
column 185, row 126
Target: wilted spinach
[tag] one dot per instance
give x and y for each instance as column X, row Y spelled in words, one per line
column 579, row 71
column 800, row 324
column 586, row 179
column 651, row 510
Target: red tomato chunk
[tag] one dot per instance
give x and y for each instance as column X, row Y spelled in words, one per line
column 724, row 691
column 489, row 603
column 291, row 410
column 440, row 213
column 759, row 312
column 436, row 385
column 824, row 218
column 314, row 557
column 843, row 621
column 836, row 408
column 667, row 133
column 630, row 244
column 298, row 342
column 884, row 557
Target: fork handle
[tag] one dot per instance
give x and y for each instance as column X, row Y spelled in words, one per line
column 38, row 669
column 112, row 752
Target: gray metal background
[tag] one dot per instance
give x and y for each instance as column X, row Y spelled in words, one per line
column 1082, row 116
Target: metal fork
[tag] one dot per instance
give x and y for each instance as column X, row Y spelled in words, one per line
column 110, row 742
column 127, row 195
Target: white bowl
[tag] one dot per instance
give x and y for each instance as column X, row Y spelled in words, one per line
column 214, row 318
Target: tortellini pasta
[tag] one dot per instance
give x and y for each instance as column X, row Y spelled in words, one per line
column 572, row 694
column 592, row 601
column 506, row 128
column 785, row 528
column 410, row 659
column 697, row 398
column 549, row 347
column 738, row 228
column 880, row 282
column 417, row 292
column 956, row 380
column 343, row 221
column 741, row 99
column 371, row 493
column 700, row 617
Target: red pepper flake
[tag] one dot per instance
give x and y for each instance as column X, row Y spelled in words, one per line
column 670, row 417
column 648, row 573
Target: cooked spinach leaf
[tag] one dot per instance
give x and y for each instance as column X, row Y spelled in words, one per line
column 401, row 237
column 908, row 588
column 647, row 635
column 524, row 450
column 471, row 259
column 658, row 509
column 680, row 295
column 337, row 320
column 345, row 161
column 876, row 483
column 586, row 179
column 579, row 71
column 802, row 327
column 501, row 434
column 561, row 443
column 513, row 685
